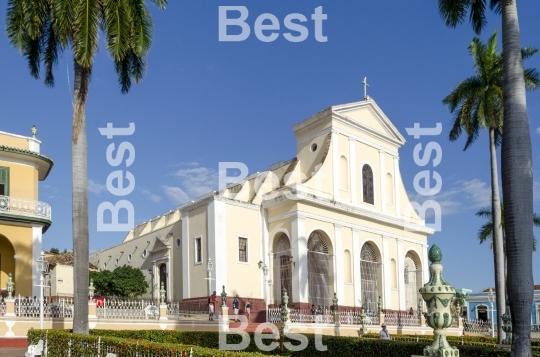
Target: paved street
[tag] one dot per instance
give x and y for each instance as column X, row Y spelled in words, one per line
column 12, row 352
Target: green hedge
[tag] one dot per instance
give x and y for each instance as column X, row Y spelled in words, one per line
column 167, row 343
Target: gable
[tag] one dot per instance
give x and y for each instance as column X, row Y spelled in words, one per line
column 367, row 117
column 158, row 245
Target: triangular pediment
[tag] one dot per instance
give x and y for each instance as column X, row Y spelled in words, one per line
column 368, row 117
column 158, row 245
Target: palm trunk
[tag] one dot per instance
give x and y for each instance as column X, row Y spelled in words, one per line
column 517, row 183
column 500, row 288
column 79, row 152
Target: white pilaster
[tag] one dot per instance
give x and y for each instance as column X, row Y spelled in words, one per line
column 357, row 279
column 299, row 252
column 335, row 164
column 36, row 253
column 401, row 276
column 382, row 181
column 397, row 185
column 185, row 255
column 339, row 266
column 155, row 282
column 217, row 244
column 264, row 250
column 352, row 164
column 387, row 294
column 425, row 263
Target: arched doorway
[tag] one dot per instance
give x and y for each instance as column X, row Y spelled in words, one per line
column 370, row 276
column 163, row 277
column 319, row 269
column 482, row 312
column 412, row 280
column 282, row 268
column 7, row 261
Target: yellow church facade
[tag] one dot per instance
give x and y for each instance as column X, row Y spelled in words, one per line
column 334, row 219
column 23, row 218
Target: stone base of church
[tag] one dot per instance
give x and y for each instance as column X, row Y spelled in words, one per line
column 258, row 307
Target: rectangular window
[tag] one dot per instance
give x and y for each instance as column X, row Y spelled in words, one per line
column 242, row 249
column 4, row 181
column 198, row 250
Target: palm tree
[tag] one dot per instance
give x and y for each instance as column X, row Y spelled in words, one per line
column 41, row 30
column 486, row 230
column 477, row 103
column 517, row 180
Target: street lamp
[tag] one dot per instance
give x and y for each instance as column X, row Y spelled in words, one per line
column 491, row 298
column 42, row 266
column 265, row 273
column 209, row 268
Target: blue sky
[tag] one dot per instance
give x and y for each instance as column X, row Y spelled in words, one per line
column 204, row 101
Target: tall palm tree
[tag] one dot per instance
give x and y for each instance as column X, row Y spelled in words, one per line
column 517, row 180
column 41, row 30
column 477, row 103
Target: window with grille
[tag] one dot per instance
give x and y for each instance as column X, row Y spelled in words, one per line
column 242, row 249
column 367, row 183
column 4, row 181
column 198, row 250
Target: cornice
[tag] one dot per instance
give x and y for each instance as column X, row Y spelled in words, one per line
column 26, row 219
column 30, row 154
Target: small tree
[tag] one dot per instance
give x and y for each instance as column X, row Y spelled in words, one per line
column 55, row 251
column 123, row 281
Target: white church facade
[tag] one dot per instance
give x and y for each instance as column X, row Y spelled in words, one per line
column 335, row 219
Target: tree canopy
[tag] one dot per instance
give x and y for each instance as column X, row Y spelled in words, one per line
column 123, row 281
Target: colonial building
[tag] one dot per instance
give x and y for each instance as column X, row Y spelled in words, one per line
column 334, row 219
column 23, row 219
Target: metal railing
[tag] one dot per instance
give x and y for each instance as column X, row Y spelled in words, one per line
column 53, row 307
column 401, row 319
column 326, row 317
column 189, row 311
column 23, row 207
column 355, row 318
column 2, row 307
column 127, row 309
column 477, row 326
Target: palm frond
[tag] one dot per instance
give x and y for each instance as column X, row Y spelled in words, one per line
column 161, row 4
column 117, row 28
column 453, row 12
column 141, row 27
column 484, row 212
column 485, row 232
column 85, row 38
column 495, row 6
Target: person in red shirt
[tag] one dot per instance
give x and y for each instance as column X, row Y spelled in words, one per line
column 211, row 306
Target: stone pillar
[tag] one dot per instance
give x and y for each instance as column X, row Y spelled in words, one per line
column 92, row 310
column 163, row 303
column 401, row 276
column 335, row 164
column 386, row 291
column 337, row 322
column 185, row 256
column 438, row 294
column 382, row 181
column 224, row 318
column 352, row 165
column 357, row 279
column 10, row 307
column 397, row 186
column 339, row 265
column 299, row 253
column 36, row 253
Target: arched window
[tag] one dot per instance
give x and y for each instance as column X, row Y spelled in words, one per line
column 343, row 173
column 319, row 270
column 389, row 189
column 347, row 276
column 163, row 276
column 369, row 273
column 367, row 184
column 282, row 268
column 412, row 280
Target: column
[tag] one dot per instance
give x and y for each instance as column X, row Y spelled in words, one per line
column 338, row 256
column 397, row 186
column 387, row 294
column 264, row 250
column 357, row 278
column 185, row 256
column 401, row 277
column 352, row 168
column 36, row 253
column 382, row 181
column 299, row 253
column 425, row 263
column 335, row 164
column 217, row 244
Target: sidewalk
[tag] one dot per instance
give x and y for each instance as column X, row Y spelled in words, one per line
column 12, row 352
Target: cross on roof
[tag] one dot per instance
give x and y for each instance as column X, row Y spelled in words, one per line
column 364, row 82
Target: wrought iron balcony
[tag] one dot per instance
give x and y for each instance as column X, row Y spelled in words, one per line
column 22, row 207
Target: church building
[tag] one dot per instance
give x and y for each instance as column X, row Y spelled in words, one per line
column 334, row 219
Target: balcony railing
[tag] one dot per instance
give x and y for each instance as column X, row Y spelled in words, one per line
column 23, row 207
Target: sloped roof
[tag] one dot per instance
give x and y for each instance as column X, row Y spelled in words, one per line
column 64, row 259
column 536, row 287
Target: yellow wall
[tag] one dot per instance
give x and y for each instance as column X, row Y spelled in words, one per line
column 14, row 141
column 23, row 180
column 21, row 239
column 197, row 271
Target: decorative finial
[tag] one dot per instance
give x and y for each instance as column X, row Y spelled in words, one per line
column 435, row 254
column 162, row 293
column 223, row 297
column 34, row 131
column 364, row 82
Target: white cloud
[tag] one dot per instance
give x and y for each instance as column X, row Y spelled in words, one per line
column 197, row 181
column 462, row 195
column 538, row 130
column 536, row 190
column 96, row 187
column 175, row 194
column 151, row 196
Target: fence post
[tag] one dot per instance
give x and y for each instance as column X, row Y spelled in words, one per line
column 337, row 323
column 163, row 303
column 224, row 318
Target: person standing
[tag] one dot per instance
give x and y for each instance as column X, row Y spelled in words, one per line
column 211, row 306
column 313, row 311
column 235, row 305
column 384, row 332
column 248, row 310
